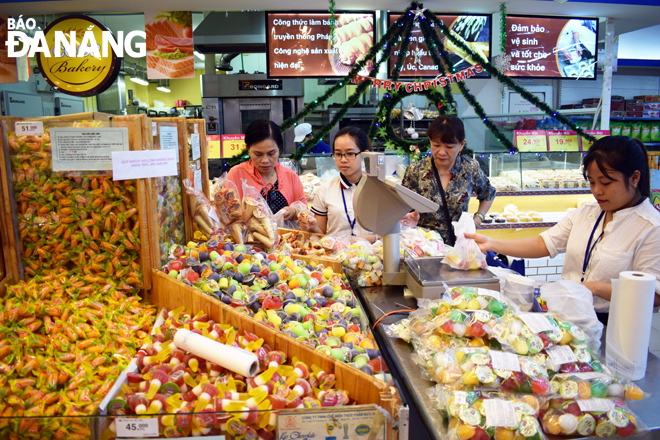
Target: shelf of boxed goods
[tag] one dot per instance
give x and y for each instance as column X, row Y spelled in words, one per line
column 426, row 421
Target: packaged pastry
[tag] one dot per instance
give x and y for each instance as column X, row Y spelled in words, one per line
column 510, row 209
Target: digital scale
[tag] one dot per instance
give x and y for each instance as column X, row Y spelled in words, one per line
column 379, row 205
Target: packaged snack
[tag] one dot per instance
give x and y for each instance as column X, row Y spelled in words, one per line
column 203, row 212
column 491, row 415
column 465, row 255
column 258, row 218
column 589, row 418
column 646, row 132
column 529, row 333
column 626, row 129
column 594, row 384
column 636, row 130
column 228, row 205
column 655, row 131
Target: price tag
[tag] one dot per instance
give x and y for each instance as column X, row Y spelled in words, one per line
column 563, row 140
column 531, row 140
column 232, row 144
column 35, row 128
column 536, row 322
column 137, row 428
column 197, row 179
column 504, row 361
column 460, row 398
column 595, row 404
column 500, row 413
column 213, row 145
column 154, row 129
column 561, row 354
column 586, row 144
column 196, row 150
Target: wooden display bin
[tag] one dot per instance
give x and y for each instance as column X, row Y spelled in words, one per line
column 11, row 212
column 364, row 389
column 322, row 259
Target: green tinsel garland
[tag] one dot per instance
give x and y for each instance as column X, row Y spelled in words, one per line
column 492, row 70
column 333, row 17
column 503, row 27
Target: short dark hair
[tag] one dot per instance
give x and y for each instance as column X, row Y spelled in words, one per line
column 622, row 154
column 357, row 134
column 263, row 129
column 446, row 129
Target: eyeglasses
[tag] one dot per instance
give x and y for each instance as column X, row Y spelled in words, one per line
column 349, row 156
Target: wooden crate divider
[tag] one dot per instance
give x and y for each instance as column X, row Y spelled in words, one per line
column 363, row 388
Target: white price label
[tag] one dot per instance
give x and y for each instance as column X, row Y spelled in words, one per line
column 460, row 398
column 536, row 322
column 137, row 428
column 169, row 139
column 595, row 405
column 498, row 330
column 35, row 128
column 561, row 354
column 588, row 375
column 487, row 292
column 504, row 361
column 197, row 179
column 500, row 413
column 154, row 129
column 196, row 151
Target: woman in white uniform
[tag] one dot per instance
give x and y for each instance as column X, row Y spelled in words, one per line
column 619, row 232
column 333, row 203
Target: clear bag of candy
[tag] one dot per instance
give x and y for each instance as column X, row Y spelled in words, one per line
column 361, row 262
column 258, row 218
column 465, row 255
column 568, row 359
column 594, row 385
column 491, row 415
column 528, row 333
column 475, row 298
column 590, row 418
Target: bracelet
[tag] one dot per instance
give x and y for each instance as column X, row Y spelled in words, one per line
column 479, row 214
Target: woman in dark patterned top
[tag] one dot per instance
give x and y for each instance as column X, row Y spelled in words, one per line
column 459, row 175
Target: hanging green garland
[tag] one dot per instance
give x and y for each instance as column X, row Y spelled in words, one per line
column 503, row 27
column 333, row 17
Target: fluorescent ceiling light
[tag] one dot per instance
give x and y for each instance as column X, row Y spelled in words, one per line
column 200, row 56
column 140, row 81
column 163, row 89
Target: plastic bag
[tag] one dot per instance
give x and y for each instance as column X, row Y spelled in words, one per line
column 574, row 303
column 228, row 204
column 203, row 212
column 299, row 223
column 466, row 254
column 258, row 218
column 361, row 262
column 421, row 242
column 594, row 385
column 516, row 336
column 590, row 418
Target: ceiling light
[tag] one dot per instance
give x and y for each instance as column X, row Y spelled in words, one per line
column 163, row 89
column 200, row 56
column 140, row 81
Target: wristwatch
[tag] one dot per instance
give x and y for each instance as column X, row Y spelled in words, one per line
column 479, row 214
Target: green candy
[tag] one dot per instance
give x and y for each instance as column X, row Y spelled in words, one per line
column 457, row 316
column 598, row 389
column 496, row 308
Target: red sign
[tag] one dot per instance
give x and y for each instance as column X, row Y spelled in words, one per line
column 531, row 140
column 232, row 144
column 551, row 47
column 473, row 30
column 563, row 140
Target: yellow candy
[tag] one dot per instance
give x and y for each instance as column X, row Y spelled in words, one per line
column 477, row 342
column 465, row 432
column 461, row 305
column 552, row 425
column 504, row 434
column 566, row 337
column 434, row 342
column 584, row 390
column 459, row 355
column 470, row 378
column 520, row 346
column 474, row 305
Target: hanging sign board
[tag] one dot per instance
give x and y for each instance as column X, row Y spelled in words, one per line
column 531, row 140
column 586, row 144
column 473, row 30
column 232, row 144
column 299, row 43
column 563, row 140
column 86, row 149
column 551, row 47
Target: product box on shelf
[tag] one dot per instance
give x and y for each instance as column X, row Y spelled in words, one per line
column 651, row 114
column 634, row 108
column 634, row 103
column 635, row 114
column 47, row 196
column 651, row 105
column 618, row 114
column 648, row 98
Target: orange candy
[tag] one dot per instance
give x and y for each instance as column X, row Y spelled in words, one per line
column 552, row 426
column 504, row 434
column 634, row 393
column 465, row 432
column 584, row 390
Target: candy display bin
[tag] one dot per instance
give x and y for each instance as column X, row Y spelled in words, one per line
column 61, row 218
column 366, row 391
column 167, row 195
column 321, row 259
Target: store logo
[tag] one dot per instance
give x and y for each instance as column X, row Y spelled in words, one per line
column 362, row 430
column 16, row 101
column 77, row 66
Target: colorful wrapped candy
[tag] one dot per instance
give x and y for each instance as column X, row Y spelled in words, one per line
column 529, row 333
column 361, row 263
column 420, row 242
column 593, row 384
column 589, row 418
column 170, row 214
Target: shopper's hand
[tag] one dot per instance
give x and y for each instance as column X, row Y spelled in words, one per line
column 310, row 225
column 482, row 241
column 410, row 220
column 289, row 213
column 477, row 221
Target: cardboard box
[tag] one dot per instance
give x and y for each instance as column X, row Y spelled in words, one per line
column 617, row 106
column 633, row 102
column 648, row 98
column 635, row 114
column 591, row 101
column 651, row 114
column 634, row 108
column 617, row 98
column 652, row 106
column 617, row 114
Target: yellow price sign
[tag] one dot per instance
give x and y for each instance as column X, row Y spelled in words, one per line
column 563, row 140
column 586, row 144
column 213, row 142
column 531, row 140
column 232, row 144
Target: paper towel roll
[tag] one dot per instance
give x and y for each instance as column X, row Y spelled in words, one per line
column 235, row 359
column 629, row 324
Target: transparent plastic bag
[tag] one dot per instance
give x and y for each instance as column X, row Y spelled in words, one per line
column 422, row 242
column 361, row 262
column 466, row 254
column 594, row 385
column 300, row 223
column 227, row 202
column 203, row 212
column 258, row 218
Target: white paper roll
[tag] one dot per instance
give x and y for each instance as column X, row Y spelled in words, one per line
column 235, row 359
column 629, row 324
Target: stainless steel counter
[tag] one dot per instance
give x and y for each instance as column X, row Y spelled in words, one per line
column 407, row 375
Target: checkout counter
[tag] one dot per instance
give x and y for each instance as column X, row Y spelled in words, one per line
column 424, row 277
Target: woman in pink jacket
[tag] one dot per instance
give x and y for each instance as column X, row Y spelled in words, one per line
column 279, row 186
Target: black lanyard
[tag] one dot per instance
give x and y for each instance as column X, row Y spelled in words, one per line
column 451, row 237
column 589, row 251
column 350, row 223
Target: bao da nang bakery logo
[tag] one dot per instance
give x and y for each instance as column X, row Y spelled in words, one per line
column 76, row 54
